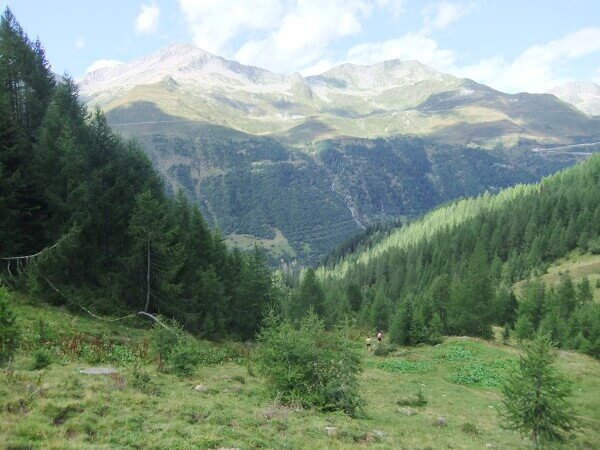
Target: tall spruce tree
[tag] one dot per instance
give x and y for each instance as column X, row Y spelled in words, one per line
column 156, row 254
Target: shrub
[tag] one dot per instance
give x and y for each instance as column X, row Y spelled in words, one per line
column 9, row 329
column 177, row 350
column 401, row 366
column 43, row 333
column 42, row 358
column 143, row 381
column 594, row 246
column 306, row 365
column 416, row 401
column 488, row 374
column 470, row 428
column 384, row 349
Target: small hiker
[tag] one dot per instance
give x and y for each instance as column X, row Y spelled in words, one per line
column 368, row 341
column 380, row 336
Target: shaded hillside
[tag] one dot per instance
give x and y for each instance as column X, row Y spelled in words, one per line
column 321, row 195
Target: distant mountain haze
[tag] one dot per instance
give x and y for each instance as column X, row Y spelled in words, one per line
column 298, row 164
column 584, row 95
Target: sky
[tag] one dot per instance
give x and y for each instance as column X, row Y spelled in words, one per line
column 511, row 45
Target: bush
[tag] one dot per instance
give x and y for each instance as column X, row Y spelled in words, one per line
column 306, row 365
column 416, row 401
column 594, row 246
column 143, row 381
column 177, row 350
column 9, row 329
column 470, row 428
column 402, row 366
column 42, row 358
column 384, row 349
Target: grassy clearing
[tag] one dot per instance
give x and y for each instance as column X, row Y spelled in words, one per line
column 578, row 265
column 141, row 407
column 278, row 246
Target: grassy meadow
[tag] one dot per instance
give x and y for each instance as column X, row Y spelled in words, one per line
column 224, row 404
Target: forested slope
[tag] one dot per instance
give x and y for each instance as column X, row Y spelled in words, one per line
column 451, row 272
column 93, row 211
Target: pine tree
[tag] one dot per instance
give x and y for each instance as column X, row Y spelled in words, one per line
column 506, row 334
column 310, row 295
column 355, row 297
column 159, row 258
column 535, row 397
column 9, row 328
column 584, row 291
column 523, row 328
column 380, row 312
column 400, row 325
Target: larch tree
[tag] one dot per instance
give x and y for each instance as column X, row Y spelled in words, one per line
column 536, row 397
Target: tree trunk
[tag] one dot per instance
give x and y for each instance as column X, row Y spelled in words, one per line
column 147, row 276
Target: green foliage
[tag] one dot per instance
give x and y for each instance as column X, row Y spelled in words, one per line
column 417, row 401
column 470, row 428
column 9, row 328
column 177, row 350
column 535, row 397
column 454, row 268
column 114, row 242
column 307, row 365
column 487, row 374
column 42, row 358
column 458, row 352
column 402, row 366
column 384, row 349
column 506, row 334
column 142, row 380
column 523, row 328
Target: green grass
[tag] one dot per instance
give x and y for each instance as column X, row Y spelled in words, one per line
column 578, row 265
column 276, row 247
column 141, row 407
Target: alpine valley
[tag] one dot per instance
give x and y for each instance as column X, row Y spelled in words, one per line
column 299, row 164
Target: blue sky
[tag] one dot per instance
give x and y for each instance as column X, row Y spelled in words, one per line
column 511, row 45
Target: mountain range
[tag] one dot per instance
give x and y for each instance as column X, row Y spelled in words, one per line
column 298, row 164
column 581, row 94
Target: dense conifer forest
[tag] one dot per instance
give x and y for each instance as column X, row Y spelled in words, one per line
column 86, row 221
column 452, row 271
column 92, row 204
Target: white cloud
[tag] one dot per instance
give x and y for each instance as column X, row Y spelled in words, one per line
column 282, row 35
column 214, row 23
column 304, row 33
column 418, row 45
column 394, row 7
column 322, row 65
column 147, row 20
column 538, row 67
column 102, row 64
column 409, row 46
column 440, row 15
column 79, row 43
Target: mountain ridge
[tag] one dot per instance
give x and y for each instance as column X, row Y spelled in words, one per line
column 584, row 95
column 355, row 145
